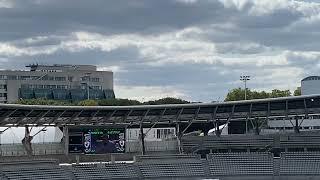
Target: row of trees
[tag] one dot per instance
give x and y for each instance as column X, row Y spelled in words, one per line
column 102, row 102
column 239, row 94
column 236, row 94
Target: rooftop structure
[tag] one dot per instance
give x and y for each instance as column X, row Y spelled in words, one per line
column 59, row 82
column 310, row 85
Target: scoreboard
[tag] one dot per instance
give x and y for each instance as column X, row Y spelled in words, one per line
column 97, row 140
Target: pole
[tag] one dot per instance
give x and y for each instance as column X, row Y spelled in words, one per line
column 245, row 79
column 245, row 89
column 0, row 143
column 88, row 93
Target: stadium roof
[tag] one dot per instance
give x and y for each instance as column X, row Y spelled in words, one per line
column 311, row 78
column 42, row 115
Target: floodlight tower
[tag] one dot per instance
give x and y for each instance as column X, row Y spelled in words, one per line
column 245, row 79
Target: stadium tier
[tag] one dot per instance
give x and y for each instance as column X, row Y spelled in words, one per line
column 247, row 165
column 233, row 164
column 100, row 134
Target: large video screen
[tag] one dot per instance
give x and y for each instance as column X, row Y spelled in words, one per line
column 97, row 140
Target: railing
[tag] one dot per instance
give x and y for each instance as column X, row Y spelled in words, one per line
column 152, row 146
column 38, row 149
column 58, row 148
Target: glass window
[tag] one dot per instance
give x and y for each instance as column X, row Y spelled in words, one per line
column 12, row 77
column 3, row 86
column 24, row 77
column 39, row 86
column 96, row 87
column 61, row 87
column 3, row 77
column 94, row 79
column 35, row 77
column 85, row 78
column 158, row 133
column 60, row 78
column 53, row 86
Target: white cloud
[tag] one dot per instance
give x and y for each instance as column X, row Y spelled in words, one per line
column 147, row 93
column 115, row 69
column 263, row 7
column 187, row 1
column 237, row 4
column 9, row 50
column 6, row 4
column 275, row 41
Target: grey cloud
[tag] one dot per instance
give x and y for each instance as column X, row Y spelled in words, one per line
column 121, row 16
column 202, row 73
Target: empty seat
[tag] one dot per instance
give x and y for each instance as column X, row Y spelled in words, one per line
column 105, row 171
column 171, row 166
column 246, row 163
column 35, row 170
column 300, row 163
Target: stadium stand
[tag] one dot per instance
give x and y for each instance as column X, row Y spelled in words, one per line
column 191, row 144
column 170, row 166
column 232, row 164
column 300, row 163
column 260, row 165
column 35, row 169
column 105, row 171
column 145, row 158
column 300, row 140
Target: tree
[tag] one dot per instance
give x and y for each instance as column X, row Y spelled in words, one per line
column 278, row 93
column 88, row 102
column 237, row 94
column 43, row 101
column 118, row 102
column 167, row 100
column 101, row 102
column 297, row 92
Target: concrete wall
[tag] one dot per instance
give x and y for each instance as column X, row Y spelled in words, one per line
column 287, row 123
column 152, row 146
column 58, row 148
column 38, row 149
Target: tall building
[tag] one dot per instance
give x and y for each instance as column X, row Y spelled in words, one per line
column 58, row 81
column 310, row 85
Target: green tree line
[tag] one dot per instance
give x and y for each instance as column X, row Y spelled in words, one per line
column 238, row 94
column 101, row 102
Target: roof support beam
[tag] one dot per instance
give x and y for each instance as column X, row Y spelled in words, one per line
column 305, row 108
column 42, row 115
column 93, row 116
column 179, row 114
column 58, row 115
column 127, row 115
column 107, row 118
column 74, row 116
column 8, row 114
column 214, row 115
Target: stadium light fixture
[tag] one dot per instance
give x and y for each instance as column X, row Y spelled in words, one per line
column 245, row 79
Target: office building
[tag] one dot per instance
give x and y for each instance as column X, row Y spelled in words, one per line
column 58, row 81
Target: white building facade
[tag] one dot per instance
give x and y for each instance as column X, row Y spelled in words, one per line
column 310, row 85
column 58, row 81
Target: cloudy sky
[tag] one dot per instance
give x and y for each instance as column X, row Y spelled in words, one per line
column 192, row 49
